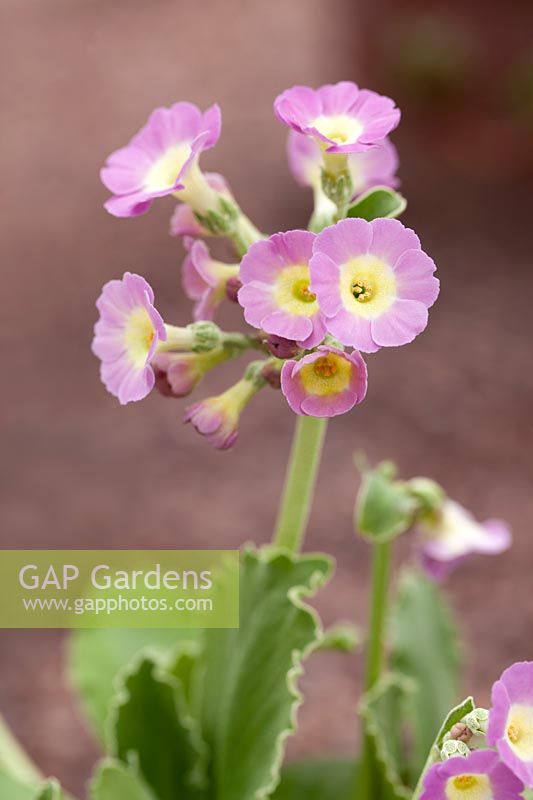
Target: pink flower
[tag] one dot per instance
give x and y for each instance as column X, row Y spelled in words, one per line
column 374, row 167
column 126, row 336
column 184, row 222
column 217, row 418
column 162, row 159
column 452, row 534
column 341, row 117
column 325, row 383
column 478, row 776
column 178, row 374
column 373, row 282
column 511, row 720
column 275, row 293
column 204, row 279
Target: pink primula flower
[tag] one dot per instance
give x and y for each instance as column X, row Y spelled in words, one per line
column 325, row 383
column 478, row 776
column 217, row 418
column 342, row 117
column 162, row 159
column 374, row 167
column 126, row 337
column 205, row 279
column 511, row 720
column 373, row 282
column 452, row 534
column 275, row 292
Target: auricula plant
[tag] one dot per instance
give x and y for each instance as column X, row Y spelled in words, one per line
column 204, row 715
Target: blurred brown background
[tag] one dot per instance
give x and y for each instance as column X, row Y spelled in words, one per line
column 79, row 78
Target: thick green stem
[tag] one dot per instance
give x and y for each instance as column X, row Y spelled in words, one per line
column 300, row 482
column 14, row 761
column 366, row 781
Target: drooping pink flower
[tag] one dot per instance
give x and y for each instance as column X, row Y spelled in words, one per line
column 374, row 167
column 126, row 336
column 178, row 374
column 325, row 383
column 205, row 279
column 217, row 418
column 342, row 117
column 275, row 292
column 449, row 536
column 478, row 776
column 511, row 720
column 373, row 282
column 162, row 159
column 184, row 222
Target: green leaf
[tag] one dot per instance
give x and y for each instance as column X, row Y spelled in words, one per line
column 316, row 780
column 383, row 757
column 343, row 636
column 250, row 695
column 97, row 656
column 378, row 202
column 14, row 790
column 115, row 781
column 154, row 731
column 424, row 648
column 384, row 507
column 454, row 716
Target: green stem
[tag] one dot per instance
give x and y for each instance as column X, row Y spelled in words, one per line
column 14, row 761
column 381, row 558
column 300, row 482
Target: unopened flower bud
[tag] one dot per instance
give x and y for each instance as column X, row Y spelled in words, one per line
column 233, row 285
column 452, row 748
column 461, row 732
column 271, row 372
column 477, row 721
column 282, row 348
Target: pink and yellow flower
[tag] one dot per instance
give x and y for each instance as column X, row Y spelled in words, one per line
column 275, row 293
column 373, row 282
column 126, row 337
column 448, row 536
column 511, row 720
column 178, row 374
column 342, row 117
column 478, row 776
column 325, row 383
column 205, row 279
column 374, row 167
column 162, row 159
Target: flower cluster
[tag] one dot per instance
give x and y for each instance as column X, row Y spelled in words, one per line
column 316, row 299
column 495, row 774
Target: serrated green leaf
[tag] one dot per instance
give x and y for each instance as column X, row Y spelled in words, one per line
column 114, row 781
column 378, row 202
column 154, row 731
column 381, row 765
column 384, row 507
column 453, row 716
column 97, row 656
column 250, row 694
column 424, row 648
column 316, row 780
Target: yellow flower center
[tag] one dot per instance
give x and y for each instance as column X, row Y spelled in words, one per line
column 362, row 290
column 163, row 173
column 329, row 374
column 139, row 334
column 469, row 787
column 368, row 286
column 519, row 730
column 292, row 291
column 340, row 128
